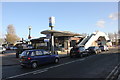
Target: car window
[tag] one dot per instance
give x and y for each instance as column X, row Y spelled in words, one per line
column 32, row 53
column 46, row 52
column 25, row 53
column 39, row 53
column 0, row 48
column 97, row 48
column 91, row 47
column 81, row 48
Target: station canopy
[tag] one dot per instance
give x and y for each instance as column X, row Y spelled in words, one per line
column 60, row 33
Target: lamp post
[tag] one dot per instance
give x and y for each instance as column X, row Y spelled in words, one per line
column 29, row 36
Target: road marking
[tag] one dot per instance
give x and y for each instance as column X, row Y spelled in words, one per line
column 40, row 72
column 112, row 72
column 46, row 69
column 116, row 72
column 118, row 77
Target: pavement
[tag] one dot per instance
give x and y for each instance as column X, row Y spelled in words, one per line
column 9, row 58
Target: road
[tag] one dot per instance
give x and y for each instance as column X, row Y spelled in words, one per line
column 100, row 66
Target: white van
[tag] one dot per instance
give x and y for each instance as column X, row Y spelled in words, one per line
column 2, row 49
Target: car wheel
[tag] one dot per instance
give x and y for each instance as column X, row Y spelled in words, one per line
column 88, row 54
column 56, row 60
column 81, row 55
column 96, row 52
column 34, row 65
column 71, row 56
column 23, row 66
column 3, row 52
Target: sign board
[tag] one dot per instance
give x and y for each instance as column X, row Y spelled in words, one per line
column 46, row 40
column 51, row 21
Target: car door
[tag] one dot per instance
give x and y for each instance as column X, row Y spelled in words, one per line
column 48, row 56
column 84, row 51
column 39, row 57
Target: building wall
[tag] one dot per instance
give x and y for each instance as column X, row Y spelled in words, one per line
column 94, row 44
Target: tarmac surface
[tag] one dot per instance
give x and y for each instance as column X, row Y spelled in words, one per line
column 103, row 65
column 9, row 59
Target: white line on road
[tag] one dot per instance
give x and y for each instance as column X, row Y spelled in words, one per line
column 118, row 77
column 40, row 72
column 46, row 69
column 112, row 72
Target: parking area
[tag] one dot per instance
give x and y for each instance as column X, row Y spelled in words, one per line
column 9, row 57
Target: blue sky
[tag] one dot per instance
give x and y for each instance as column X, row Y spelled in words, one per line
column 78, row 17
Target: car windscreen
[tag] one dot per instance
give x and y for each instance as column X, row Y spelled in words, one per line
column 25, row 53
column 81, row 48
column 91, row 47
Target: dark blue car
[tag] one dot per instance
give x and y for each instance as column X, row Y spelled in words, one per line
column 33, row 58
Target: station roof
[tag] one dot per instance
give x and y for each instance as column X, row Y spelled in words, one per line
column 60, row 33
column 38, row 40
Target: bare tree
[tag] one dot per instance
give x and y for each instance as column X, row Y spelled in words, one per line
column 111, row 36
column 114, row 37
column 119, row 33
column 11, row 36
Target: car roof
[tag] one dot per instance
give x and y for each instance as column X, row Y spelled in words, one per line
column 92, row 46
column 36, row 50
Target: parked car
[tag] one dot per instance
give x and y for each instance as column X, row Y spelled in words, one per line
column 78, row 51
column 94, row 49
column 13, row 48
column 104, row 48
column 30, row 47
column 33, row 58
column 2, row 49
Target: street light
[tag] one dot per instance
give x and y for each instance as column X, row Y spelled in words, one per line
column 29, row 37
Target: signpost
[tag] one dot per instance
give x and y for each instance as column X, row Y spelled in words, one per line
column 46, row 40
column 51, row 24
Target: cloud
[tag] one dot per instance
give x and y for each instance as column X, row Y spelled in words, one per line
column 114, row 16
column 100, row 23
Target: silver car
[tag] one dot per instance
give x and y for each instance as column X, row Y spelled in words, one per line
column 2, row 49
